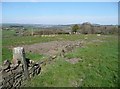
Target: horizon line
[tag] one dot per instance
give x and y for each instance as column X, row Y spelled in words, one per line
column 58, row 24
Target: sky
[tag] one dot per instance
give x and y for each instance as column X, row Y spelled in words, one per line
column 60, row 12
column 59, row 0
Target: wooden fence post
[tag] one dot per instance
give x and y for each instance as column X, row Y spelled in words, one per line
column 19, row 55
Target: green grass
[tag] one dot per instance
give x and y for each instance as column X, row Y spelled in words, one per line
column 98, row 68
column 9, row 40
column 35, row 57
column 8, row 33
column 6, row 54
column 30, row 39
column 12, row 40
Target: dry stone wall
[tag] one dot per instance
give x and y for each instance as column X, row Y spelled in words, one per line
column 13, row 75
column 21, row 69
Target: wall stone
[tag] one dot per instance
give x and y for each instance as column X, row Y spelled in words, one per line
column 13, row 75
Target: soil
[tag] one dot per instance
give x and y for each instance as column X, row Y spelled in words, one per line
column 48, row 48
column 53, row 47
column 73, row 60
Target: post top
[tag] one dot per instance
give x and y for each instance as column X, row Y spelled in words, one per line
column 18, row 48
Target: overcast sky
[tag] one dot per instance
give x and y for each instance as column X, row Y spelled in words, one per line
column 60, row 12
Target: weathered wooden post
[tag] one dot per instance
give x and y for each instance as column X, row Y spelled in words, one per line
column 19, row 56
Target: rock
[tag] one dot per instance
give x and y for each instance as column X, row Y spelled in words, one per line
column 53, row 57
column 31, row 61
column 14, row 66
column 98, row 35
column 6, row 65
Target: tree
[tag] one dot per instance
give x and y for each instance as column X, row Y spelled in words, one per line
column 75, row 28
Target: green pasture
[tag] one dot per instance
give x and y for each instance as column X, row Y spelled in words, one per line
column 98, row 67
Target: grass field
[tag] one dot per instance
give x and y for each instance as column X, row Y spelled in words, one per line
column 98, row 66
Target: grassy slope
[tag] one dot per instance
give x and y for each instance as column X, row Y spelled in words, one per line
column 99, row 65
column 98, row 68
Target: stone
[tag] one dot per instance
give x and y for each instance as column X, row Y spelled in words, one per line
column 6, row 65
column 53, row 57
column 19, row 56
column 18, row 76
column 38, row 70
column 98, row 35
column 14, row 66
